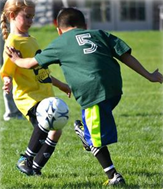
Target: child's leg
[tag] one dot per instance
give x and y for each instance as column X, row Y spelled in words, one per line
column 36, row 141
column 42, row 143
column 46, row 150
column 11, row 111
column 38, row 136
column 99, row 131
column 39, row 144
column 103, row 156
column 25, row 162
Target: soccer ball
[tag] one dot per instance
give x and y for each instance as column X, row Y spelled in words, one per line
column 52, row 113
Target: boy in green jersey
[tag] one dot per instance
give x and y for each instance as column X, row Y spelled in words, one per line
column 88, row 60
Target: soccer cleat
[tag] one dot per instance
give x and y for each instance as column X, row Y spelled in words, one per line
column 116, row 180
column 25, row 165
column 37, row 172
column 79, row 129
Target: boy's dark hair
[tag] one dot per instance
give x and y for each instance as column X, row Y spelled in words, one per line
column 70, row 17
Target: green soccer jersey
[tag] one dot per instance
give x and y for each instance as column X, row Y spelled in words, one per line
column 88, row 60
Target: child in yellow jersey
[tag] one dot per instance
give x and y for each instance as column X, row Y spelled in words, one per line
column 29, row 86
column 11, row 111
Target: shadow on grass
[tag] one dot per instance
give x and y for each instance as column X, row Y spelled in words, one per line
column 85, row 186
column 82, row 185
column 142, row 115
column 98, row 185
column 48, row 181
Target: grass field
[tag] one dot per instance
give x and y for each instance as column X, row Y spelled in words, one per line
column 139, row 153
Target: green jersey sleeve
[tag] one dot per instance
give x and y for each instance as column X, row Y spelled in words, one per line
column 118, row 46
column 48, row 56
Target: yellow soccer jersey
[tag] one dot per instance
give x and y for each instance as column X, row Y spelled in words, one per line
column 29, row 85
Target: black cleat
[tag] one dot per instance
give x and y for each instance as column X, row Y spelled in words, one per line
column 37, row 172
column 79, row 129
column 24, row 165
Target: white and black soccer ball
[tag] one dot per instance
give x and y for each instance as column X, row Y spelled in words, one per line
column 52, row 113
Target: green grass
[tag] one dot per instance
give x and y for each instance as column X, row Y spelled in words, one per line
column 139, row 118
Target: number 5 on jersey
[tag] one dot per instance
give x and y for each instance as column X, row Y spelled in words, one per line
column 84, row 39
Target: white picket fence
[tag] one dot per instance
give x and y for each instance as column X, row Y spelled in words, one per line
column 44, row 12
column 161, row 18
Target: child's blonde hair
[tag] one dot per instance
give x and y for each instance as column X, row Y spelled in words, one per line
column 12, row 6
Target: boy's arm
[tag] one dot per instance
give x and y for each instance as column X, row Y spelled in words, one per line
column 15, row 57
column 134, row 64
column 26, row 62
column 62, row 86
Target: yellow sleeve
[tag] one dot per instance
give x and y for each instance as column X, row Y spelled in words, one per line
column 8, row 68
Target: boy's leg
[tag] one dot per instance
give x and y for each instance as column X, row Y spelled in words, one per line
column 103, row 156
column 79, row 129
column 100, row 130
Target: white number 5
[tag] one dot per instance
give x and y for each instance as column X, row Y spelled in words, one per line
column 82, row 40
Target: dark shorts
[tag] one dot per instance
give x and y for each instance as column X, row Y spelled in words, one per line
column 99, row 125
column 32, row 115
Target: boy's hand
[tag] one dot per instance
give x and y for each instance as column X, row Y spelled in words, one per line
column 156, row 76
column 62, row 86
column 13, row 53
column 7, row 84
column 134, row 64
column 65, row 88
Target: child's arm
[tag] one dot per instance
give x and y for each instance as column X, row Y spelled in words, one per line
column 134, row 64
column 7, row 85
column 62, row 86
column 15, row 57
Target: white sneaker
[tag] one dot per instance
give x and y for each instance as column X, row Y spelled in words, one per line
column 7, row 117
column 116, row 180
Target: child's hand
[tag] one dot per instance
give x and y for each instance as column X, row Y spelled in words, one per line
column 134, row 64
column 13, row 53
column 62, row 86
column 156, row 76
column 7, row 84
column 65, row 88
